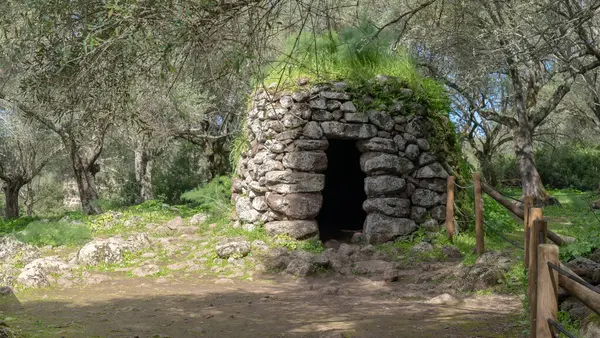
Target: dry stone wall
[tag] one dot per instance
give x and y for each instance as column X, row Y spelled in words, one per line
column 280, row 176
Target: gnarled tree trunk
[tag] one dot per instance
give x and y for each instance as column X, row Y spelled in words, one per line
column 11, row 192
column 143, row 173
column 86, row 185
column 530, row 178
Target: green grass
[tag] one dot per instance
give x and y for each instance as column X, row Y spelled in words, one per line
column 54, row 233
column 355, row 55
column 213, row 198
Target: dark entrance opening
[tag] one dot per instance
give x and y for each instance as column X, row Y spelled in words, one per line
column 342, row 214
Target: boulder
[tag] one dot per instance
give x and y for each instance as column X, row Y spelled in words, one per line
column 412, row 152
column 438, row 213
column 312, row 130
column 586, row 269
column 356, row 117
column 435, row 184
column 423, row 144
column 384, row 185
column 312, row 144
column 425, row 198
column 381, row 119
column 418, row 214
column 377, row 144
column 373, row 163
column 349, row 131
column 319, row 103
column 434, row 170
column 391, row 206
column 286, row 182
column 13, row 249
column 42, row 267
column 296, row 206
column 102, row 251
column 245, row 211
column 8, row 300
column 380, row 228
column 296, row 229
column 299, row 268
column 301, row 96
column 335, row 95
column 348, row 107
column 400, row 142
column 260, row 203
column 306, row 161
column 235, row 248
column 333, row 105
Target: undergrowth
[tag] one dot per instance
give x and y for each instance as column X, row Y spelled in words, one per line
column 355, row 55
column 54, row 233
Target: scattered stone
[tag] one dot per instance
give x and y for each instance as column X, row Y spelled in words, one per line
column 236, row 248
column 590, row 327
column 451, row 252
column 357, row 238
column 198, row 219
column 332, row 244
column 431, row 225
column 175, row 223
column 444, row 299
column 146, row 270
column 422, row 247
column 346, row 249
column 299, row 268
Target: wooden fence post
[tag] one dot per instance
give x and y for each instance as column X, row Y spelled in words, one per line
column 450, row 209
column 479, row 234
column 527, row 205
column 547, row 289
column 534, row 238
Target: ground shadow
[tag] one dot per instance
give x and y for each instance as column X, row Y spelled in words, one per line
column 203, row 308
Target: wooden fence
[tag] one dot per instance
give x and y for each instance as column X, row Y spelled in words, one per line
column 544, row 270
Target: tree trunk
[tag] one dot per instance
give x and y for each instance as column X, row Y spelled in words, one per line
column 86, row 184
column 485, row 161
column 30, row 200
column 143, row 174
column 530, row 178
column 11, row 193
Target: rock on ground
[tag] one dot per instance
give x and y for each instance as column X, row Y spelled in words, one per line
column 36, row 274
column 443, row 299
column 110, row 250
column 146, row 270
column 238, row 248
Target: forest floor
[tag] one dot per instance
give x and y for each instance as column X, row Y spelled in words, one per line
column 268, row 306
column 194, row 293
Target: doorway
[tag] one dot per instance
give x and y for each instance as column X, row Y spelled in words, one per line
column 342, row 214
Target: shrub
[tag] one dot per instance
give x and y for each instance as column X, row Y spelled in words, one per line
column 54, row 233
column 566, row 166
column 213, row 197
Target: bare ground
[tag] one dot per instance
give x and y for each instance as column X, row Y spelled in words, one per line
column 271, row 306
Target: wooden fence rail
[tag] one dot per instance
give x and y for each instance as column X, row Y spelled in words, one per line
column 545, row 272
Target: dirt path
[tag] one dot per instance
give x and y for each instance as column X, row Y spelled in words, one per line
column 275, row 307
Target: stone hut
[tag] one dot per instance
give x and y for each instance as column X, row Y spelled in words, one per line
column 328, row 160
